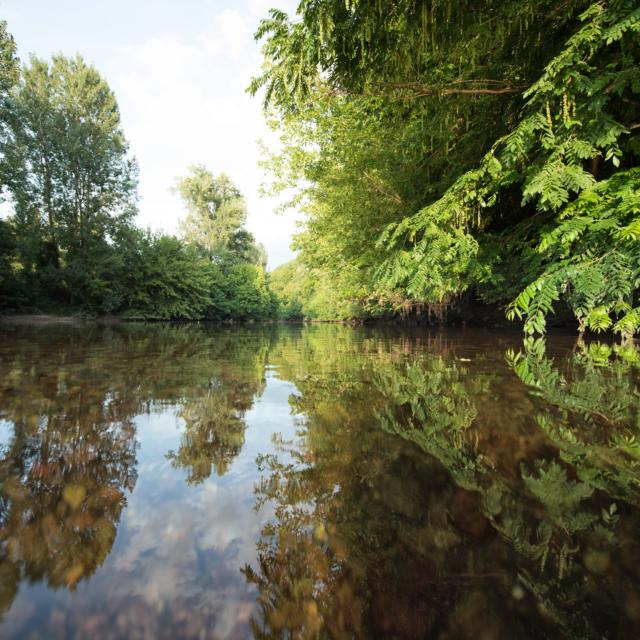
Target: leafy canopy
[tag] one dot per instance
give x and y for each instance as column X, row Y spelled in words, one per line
column 449, row 148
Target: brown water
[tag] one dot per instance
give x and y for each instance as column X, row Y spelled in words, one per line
column 318, row 482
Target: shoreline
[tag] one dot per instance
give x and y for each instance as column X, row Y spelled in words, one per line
column 43, row 319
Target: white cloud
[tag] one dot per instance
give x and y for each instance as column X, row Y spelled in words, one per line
column 183, row 101
column 180, row 78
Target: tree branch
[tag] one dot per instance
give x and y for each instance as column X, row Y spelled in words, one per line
column 421, row 90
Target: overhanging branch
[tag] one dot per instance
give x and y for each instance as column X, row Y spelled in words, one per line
column 484, row 87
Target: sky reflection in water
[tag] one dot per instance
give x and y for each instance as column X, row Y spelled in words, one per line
column 179, row 481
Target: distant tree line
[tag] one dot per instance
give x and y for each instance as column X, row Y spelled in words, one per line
column 68, row 241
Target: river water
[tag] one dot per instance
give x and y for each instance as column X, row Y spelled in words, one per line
column 162, row 481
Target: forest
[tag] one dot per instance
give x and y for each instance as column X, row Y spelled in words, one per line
column 454, row 154
column 70, row 243
column 447, row 156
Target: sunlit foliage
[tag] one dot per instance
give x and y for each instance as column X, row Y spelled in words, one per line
column 70, row 243
column 452, row 148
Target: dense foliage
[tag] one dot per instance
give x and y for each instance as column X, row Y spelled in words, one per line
column 70, row 242
column 451, row 149
column 301, row 292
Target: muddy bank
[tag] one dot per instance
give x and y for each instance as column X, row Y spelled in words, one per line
column 48, row 319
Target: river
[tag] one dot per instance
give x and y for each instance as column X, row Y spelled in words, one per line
column 161, row 481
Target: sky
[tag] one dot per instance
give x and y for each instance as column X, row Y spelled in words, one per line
column 179, row 70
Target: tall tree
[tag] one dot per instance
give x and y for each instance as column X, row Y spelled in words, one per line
column 216, row 215
column 71, row 177
column 9, row 74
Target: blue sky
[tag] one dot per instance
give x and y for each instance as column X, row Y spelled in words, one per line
column 179, row 71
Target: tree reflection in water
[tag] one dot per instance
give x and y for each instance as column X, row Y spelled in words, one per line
column 434, row 489
column 70, row 399
column 373, row 538
column 214, row 418
column 64, row 473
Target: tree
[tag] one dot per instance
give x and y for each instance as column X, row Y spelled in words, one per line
column 70, row 242
column 10, row 267
column 162, row 278
column 412, row 49
column 438, row 149
column 9, row 74
column 71, row 178
column 216, row 215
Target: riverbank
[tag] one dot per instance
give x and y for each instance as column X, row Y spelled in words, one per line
column 48, row 319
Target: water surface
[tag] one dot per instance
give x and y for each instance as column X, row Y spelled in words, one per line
column 319, row 482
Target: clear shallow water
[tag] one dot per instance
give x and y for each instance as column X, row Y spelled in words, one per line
column 196, row 482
